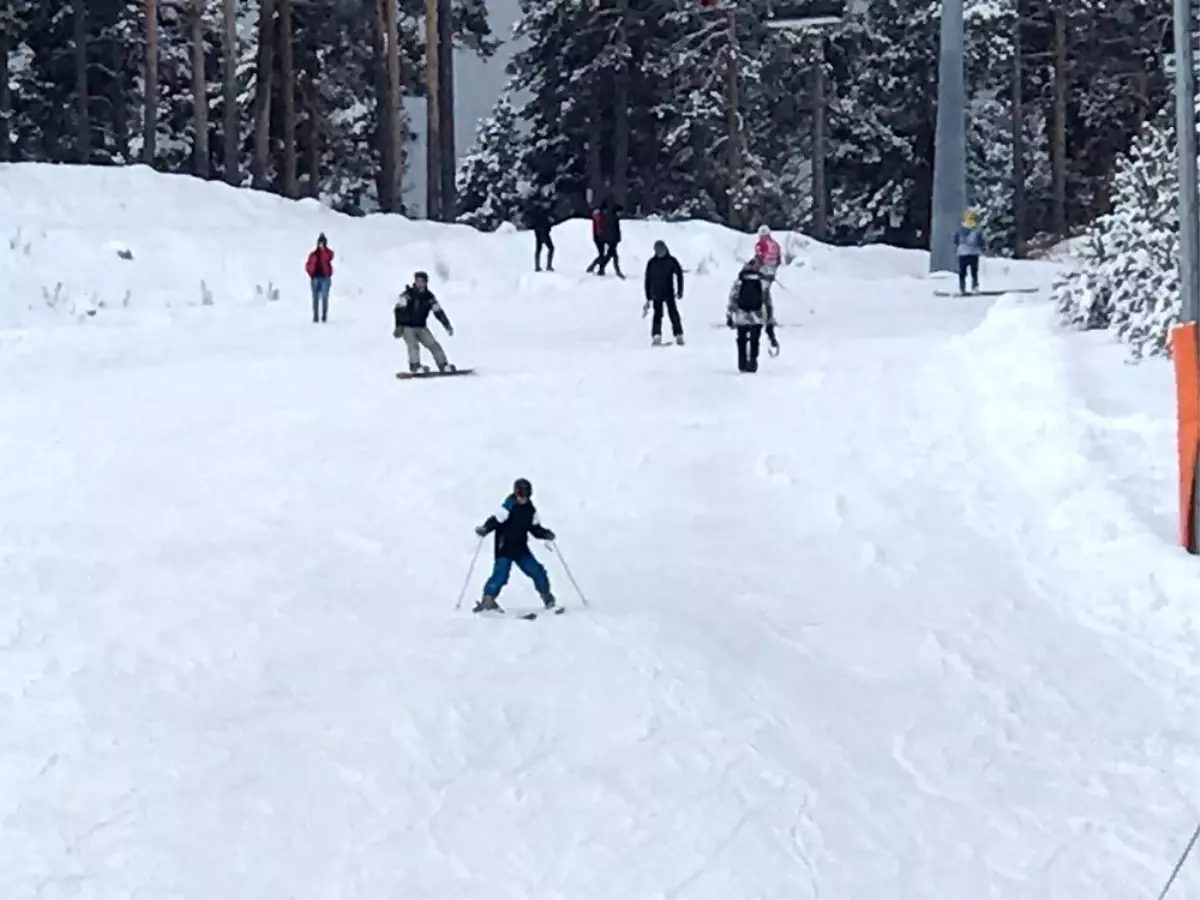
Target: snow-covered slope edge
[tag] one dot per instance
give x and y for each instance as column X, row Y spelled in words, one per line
column 1018, row 414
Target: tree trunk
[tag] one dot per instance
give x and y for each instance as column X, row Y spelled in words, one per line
column 199, row 91
column 733, row 123
column 395, row 141
column 262, row 95
column 1058, row 146
column 446, row 95
column 621, row 108
column 83, row 122
column 433, row 112
column 385, row 173
column 820, row 191
column 288, row 74
column 117, row 102
column 314, row 141
column 150, row 107
column 595, row 172
column 1018, row 143
column 5, row 87
column 231, row 126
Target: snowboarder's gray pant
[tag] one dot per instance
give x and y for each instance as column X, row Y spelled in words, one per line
column 415, row 338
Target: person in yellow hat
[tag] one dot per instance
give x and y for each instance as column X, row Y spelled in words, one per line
column 968, row 241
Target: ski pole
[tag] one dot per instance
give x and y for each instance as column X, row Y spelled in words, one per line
column 470, row 571
column 575, row 584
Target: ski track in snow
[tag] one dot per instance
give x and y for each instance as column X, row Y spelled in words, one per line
column 869, row 623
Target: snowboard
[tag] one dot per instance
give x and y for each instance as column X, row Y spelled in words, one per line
column 986, row 293
column 433, row 373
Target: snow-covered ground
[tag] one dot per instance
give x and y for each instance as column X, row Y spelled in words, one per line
column 901, row 615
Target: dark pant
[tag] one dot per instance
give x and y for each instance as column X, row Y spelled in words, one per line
column 748, row 337
column 606, row 251
column 672, row 313
column 968, row 264
column 527, row 564
column 543, row 240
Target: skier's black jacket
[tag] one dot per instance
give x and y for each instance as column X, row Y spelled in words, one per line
column 513, row 525
column 537, row 217
column 610, row 227
column 664, row 278
column 415, row 305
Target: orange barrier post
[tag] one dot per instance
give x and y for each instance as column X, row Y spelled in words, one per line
column 1186, row 352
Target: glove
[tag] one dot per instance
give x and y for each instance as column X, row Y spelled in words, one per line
column 397, row 332
column 774, row 349
column 550, row 535
column 481, row 530
column 646, row 309
column 729, row 320
column 449, row 331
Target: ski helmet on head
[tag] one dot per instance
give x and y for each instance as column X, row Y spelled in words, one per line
column 522, row 487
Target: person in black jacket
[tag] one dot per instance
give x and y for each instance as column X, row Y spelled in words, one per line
column 537, row 217
column 412, row 313
column 664, row 285
column 513, row 525
column 750, row 310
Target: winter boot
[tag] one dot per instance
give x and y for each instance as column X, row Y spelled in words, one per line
column 656, row 340
column 487, row 604
column 415, row 368
column 448, row 367
column 679, row 339
column 548, row 600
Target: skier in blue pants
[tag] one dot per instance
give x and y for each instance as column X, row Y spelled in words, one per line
column 513, row 525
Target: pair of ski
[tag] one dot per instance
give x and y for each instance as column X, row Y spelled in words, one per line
column 527, row 616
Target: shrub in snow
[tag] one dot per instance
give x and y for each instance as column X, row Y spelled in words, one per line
column 1128, row 277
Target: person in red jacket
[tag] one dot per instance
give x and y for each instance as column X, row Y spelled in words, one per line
column 768, row 254
column 320, row 272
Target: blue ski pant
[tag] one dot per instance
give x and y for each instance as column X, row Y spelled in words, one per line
column 320, row 296
column 527, row 564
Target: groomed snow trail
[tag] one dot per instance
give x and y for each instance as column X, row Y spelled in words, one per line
column 839, row 643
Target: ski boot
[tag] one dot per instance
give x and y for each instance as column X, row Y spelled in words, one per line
column 487, row 604
column 656, row 340
column 416, row 368
column 448, row 367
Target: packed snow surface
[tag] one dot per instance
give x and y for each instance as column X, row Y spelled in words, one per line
column 900, row 615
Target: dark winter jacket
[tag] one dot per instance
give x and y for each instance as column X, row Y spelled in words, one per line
column 537, row 217
column 664, row 278
column 513, row 525
column 610, row 227
column 415, row 305
column 968, row 241
column 597, row 224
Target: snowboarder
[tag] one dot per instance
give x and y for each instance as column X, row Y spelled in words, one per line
column 412, row 313
column 513, row 525
column 664, row 285
column 319, row 267
column 537, row 217
column 768, row 254
column 968, row 241
column 750, row 309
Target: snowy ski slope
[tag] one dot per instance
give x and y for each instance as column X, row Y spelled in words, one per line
column 901, row 615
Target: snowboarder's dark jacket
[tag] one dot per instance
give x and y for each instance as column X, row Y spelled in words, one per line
column 664, row 278
column 610, row 225
column 415, row 305
column 513, row 525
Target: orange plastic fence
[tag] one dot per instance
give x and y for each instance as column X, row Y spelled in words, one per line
column 1186, row 350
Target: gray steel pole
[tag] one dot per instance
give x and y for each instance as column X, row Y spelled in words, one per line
column 949, row 143
column 1185, row 128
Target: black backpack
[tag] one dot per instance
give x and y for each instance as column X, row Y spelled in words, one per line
column 750, row 293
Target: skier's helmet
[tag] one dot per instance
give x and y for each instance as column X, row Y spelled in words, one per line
column 660, row 248
column 522, row 488
column 421, row 276
column 763, row 230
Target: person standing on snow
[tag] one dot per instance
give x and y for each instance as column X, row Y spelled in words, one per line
column 537, row 217
column 412, row 313
column 513, row 525
column 968, row 241
column 606, row 232
column 768, row 254
column 664, row 285
column 750, row 310
column 319, row 267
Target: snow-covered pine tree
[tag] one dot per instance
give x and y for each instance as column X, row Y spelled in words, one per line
column 489, row 176
column 1128, row 278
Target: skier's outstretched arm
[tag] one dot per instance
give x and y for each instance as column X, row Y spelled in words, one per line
column 539, row 531
column 440, row 315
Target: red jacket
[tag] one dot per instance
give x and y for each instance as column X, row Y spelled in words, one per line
column 767, row 250
column 320, row 262
column 597, row 224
